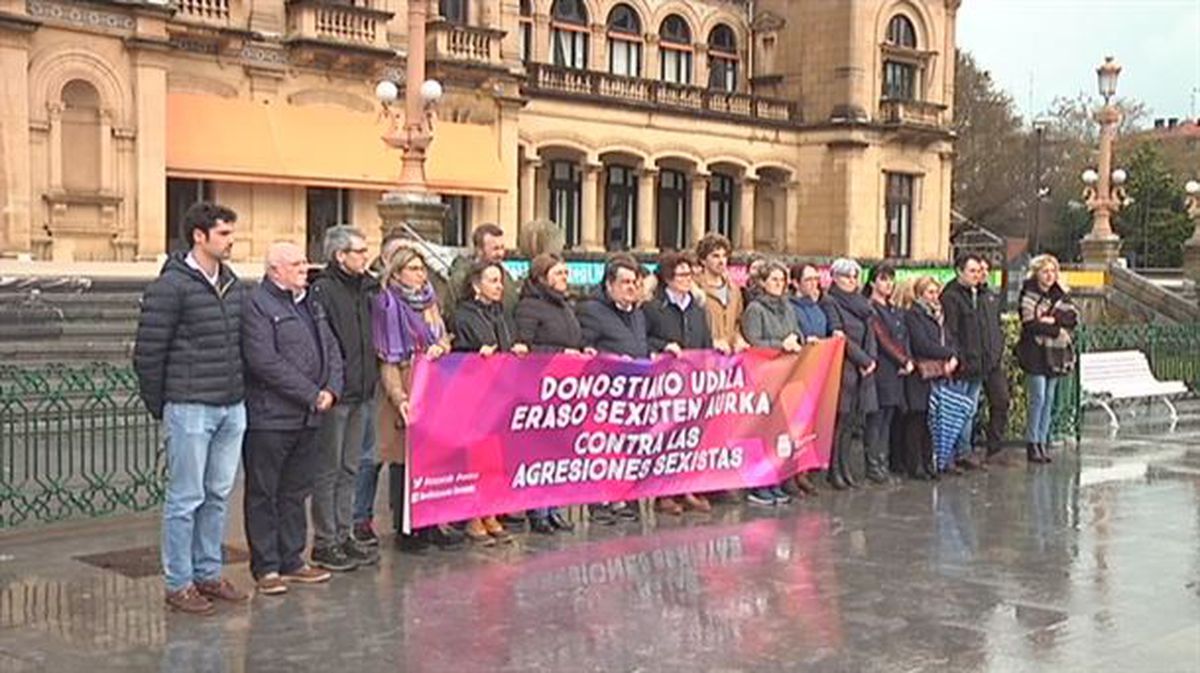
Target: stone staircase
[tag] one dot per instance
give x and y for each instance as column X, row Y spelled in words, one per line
column 44, row 322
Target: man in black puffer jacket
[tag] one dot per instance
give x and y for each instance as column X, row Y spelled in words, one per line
column 613, row 322
column 188, row 359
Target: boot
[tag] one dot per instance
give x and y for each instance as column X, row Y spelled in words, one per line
column 806, row 485
column 877, row 469
column 835, row 478
column 396, row 495
column 1032, row 454
column 1043, row 453
column 845, row 470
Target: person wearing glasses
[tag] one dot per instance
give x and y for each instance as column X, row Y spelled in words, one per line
column 849, row 311
column 406, row 322
column 344, row 290
column 814, row 325
column 676, row 321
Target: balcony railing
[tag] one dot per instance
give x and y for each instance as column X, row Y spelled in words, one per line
column 455, row 42
column 921, row 113
column 338, row 22
column 206, row 11
column 603, row 86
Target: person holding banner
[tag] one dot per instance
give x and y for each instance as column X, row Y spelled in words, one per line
column 546, row 322
column 614, row 323
column 722, row 299
column 406, row 323
column 769, row 322
column 483, row 327
column 936, row 360
column 814, row 325
column 675, row 321
column 849, row 311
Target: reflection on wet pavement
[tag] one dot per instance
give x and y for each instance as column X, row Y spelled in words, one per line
column 1018, row 569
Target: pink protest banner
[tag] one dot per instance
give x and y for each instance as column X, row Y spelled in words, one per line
column 507, row 433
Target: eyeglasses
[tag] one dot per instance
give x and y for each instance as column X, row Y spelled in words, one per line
column 679, row 273
column 415, row 268
column 359, row 251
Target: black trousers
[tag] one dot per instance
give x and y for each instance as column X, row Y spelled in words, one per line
column 878, row 437
column 279, row 477
column 917, row 456
column 995, row 385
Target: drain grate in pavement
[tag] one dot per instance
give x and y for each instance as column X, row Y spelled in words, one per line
column 146, row 561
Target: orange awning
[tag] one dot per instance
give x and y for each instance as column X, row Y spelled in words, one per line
column 238, row 140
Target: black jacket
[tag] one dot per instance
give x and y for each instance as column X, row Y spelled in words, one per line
column 973, row 323
column 480, row 325
column 546, row 321
column 892, row 337
column 608, row 329
column 666, row 323
column 189, row 338
column 291, row 355
column 929, row 341
column 852, row 313
column 347, row 301
column 1030, row 355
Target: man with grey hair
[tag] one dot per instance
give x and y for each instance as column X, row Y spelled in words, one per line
column 293, row 379
column 345, row 291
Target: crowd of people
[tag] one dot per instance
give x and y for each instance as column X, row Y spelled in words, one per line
column 309, row 384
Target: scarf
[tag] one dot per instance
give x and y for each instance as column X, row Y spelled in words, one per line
column 399, row 325
column 1059, row 349
column 853, row 303
column 932, row 310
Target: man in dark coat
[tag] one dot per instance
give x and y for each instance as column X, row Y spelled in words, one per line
column 345, row 291
column 613, row 322
column 966, row 324
column 995, row 379
column 294, row 372
column 189, row 367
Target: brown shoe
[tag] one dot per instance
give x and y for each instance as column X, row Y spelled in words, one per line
column 477, row 533
column 805, row 485
column 669, row 506
column 306, row 574
column 190, row 601
column 496, row 529
column 271, row 584
column 696, row 503
column 222, row 590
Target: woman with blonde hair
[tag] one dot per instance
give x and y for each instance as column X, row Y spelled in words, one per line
column 406, row 323
column 935, row 360
column 1045, row 350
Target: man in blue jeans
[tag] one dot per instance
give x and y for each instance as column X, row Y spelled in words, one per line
column 188, row 359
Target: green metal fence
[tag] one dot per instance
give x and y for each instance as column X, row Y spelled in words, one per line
column 75, row 441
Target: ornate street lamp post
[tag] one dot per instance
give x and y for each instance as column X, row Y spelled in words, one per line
column 1191, row 248
column 411, row 207
column 1104, row 194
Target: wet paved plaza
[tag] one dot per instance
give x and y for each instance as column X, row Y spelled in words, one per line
column 1084, row 565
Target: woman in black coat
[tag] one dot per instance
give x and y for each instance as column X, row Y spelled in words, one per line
column 895, row 364
column 931, row 345
column 676, row 321
column 481, row 326
column 546, row 321
column 1045, row 351
column 851, row 313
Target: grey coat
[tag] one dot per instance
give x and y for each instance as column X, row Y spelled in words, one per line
column 769, row 320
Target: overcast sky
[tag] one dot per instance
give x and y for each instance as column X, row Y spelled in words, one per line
column 1040, row 49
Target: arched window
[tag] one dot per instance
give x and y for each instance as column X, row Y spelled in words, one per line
column 624, row 41
column 722, row 59
column 675, row 44
column 454, row 11
column 720, row 205
column 901, row 33
column 901, row 72
column 526, row 22
column 569, row 34
column 81, row 137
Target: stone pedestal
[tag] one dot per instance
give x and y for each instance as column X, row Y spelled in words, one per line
column 1100, row 250
column 1191, row 258
column 423, row 212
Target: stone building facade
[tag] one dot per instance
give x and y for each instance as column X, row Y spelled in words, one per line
column 813, row 127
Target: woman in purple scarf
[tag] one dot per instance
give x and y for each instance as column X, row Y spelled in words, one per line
column 406, row 323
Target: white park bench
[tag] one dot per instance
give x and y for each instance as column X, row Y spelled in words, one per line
column 1115, row 376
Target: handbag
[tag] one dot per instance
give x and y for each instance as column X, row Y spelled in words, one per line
column 931, row 369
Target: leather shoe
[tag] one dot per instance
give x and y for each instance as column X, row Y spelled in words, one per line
column 541, row 526
column 560, row 522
